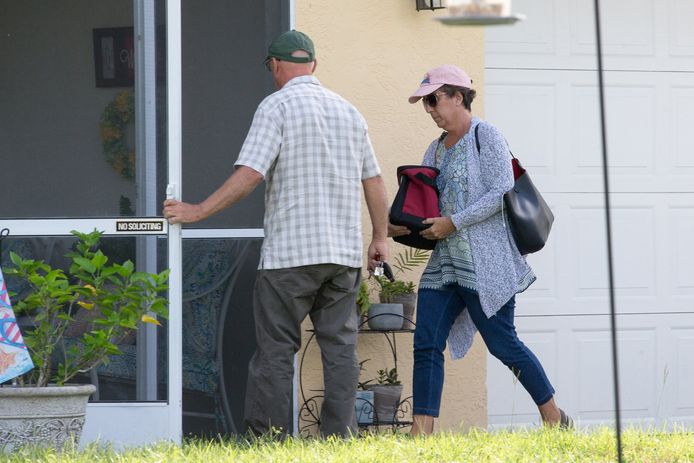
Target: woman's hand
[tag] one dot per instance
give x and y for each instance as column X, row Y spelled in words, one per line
column 440, row 228
column 397, row 230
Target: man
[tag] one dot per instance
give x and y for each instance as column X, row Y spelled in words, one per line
column 313, row 150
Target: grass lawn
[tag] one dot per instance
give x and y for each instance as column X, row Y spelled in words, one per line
column 477, row 446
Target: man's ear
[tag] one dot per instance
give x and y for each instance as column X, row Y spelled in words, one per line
column 276, row 75
column 315, row 64
column 275, row 68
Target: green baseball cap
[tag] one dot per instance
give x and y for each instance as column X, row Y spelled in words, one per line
column 287, row 43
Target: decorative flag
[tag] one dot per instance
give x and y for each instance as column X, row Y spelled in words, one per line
column 14, row 356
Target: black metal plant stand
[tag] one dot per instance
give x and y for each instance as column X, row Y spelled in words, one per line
column 309, row 410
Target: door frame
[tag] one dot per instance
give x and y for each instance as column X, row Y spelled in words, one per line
column 145, row 420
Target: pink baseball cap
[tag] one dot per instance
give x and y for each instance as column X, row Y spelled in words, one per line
column 438, row 77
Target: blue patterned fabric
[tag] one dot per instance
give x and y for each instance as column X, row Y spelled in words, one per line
column 451, row 261
column 208, row 266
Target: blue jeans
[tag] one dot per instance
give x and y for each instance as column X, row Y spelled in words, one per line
column 437, row 309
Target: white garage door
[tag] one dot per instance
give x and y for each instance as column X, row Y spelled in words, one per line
column 541, row 90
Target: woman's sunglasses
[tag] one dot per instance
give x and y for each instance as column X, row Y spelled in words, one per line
column 432, row 99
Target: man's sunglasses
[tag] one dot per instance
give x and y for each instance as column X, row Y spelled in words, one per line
column 432, row 99
column 267, row 63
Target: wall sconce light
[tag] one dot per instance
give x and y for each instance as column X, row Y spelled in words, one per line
column 429, row 4
column 479, row 13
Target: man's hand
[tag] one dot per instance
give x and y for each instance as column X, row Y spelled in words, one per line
column 378, row 252
column 179, row 212
column 441, row 227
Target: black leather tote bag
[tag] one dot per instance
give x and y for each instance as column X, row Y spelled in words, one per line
column 529, row 216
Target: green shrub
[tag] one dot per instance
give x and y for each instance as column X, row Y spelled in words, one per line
column 117, row 298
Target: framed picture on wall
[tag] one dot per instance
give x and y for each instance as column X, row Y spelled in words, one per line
column 114, row 57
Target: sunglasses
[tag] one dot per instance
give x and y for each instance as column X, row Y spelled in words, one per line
column 432, row 99
column 267, row 62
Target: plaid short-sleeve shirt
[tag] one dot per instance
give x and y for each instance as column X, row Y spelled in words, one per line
column 313, row 148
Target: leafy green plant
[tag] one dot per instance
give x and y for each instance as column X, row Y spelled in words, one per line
column 384, row 377
column 361, row 385
column 117, row 297
column 388, row 377
column 405, row 261
column 391, row 289
column 363, row 302
column 410, row 258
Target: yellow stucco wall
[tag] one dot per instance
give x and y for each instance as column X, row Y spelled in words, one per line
column 375, row 54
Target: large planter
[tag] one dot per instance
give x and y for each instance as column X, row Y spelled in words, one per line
column 386, row 402
column 409, row 302
column 50, row 416
column 385, row 316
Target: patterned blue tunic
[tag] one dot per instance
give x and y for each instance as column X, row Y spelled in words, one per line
column 451, row 261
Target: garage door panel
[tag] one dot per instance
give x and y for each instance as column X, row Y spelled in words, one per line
column 682, row 371
column 651, row 248
column 630, row 108
column 649, row 35
column 680, row 251
column 633, row 251
column 626, row 30
column 634, row 123
column 680, row 31
column 682, row 142
column 656, row 371
column 551, row 121
column 637, row 348
column 538, row 102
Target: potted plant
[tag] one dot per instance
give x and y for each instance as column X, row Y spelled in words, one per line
column 387, row 395
column 43, row 408
column 394, row 290
column 402, row 293
column 379, row 316
column 363, row 302
column 364, row 405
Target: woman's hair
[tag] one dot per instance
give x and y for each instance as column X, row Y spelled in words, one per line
column 468, row 94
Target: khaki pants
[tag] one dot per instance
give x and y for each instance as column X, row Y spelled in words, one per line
column 282, row 300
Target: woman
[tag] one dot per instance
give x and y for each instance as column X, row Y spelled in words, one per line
column 475, row 271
